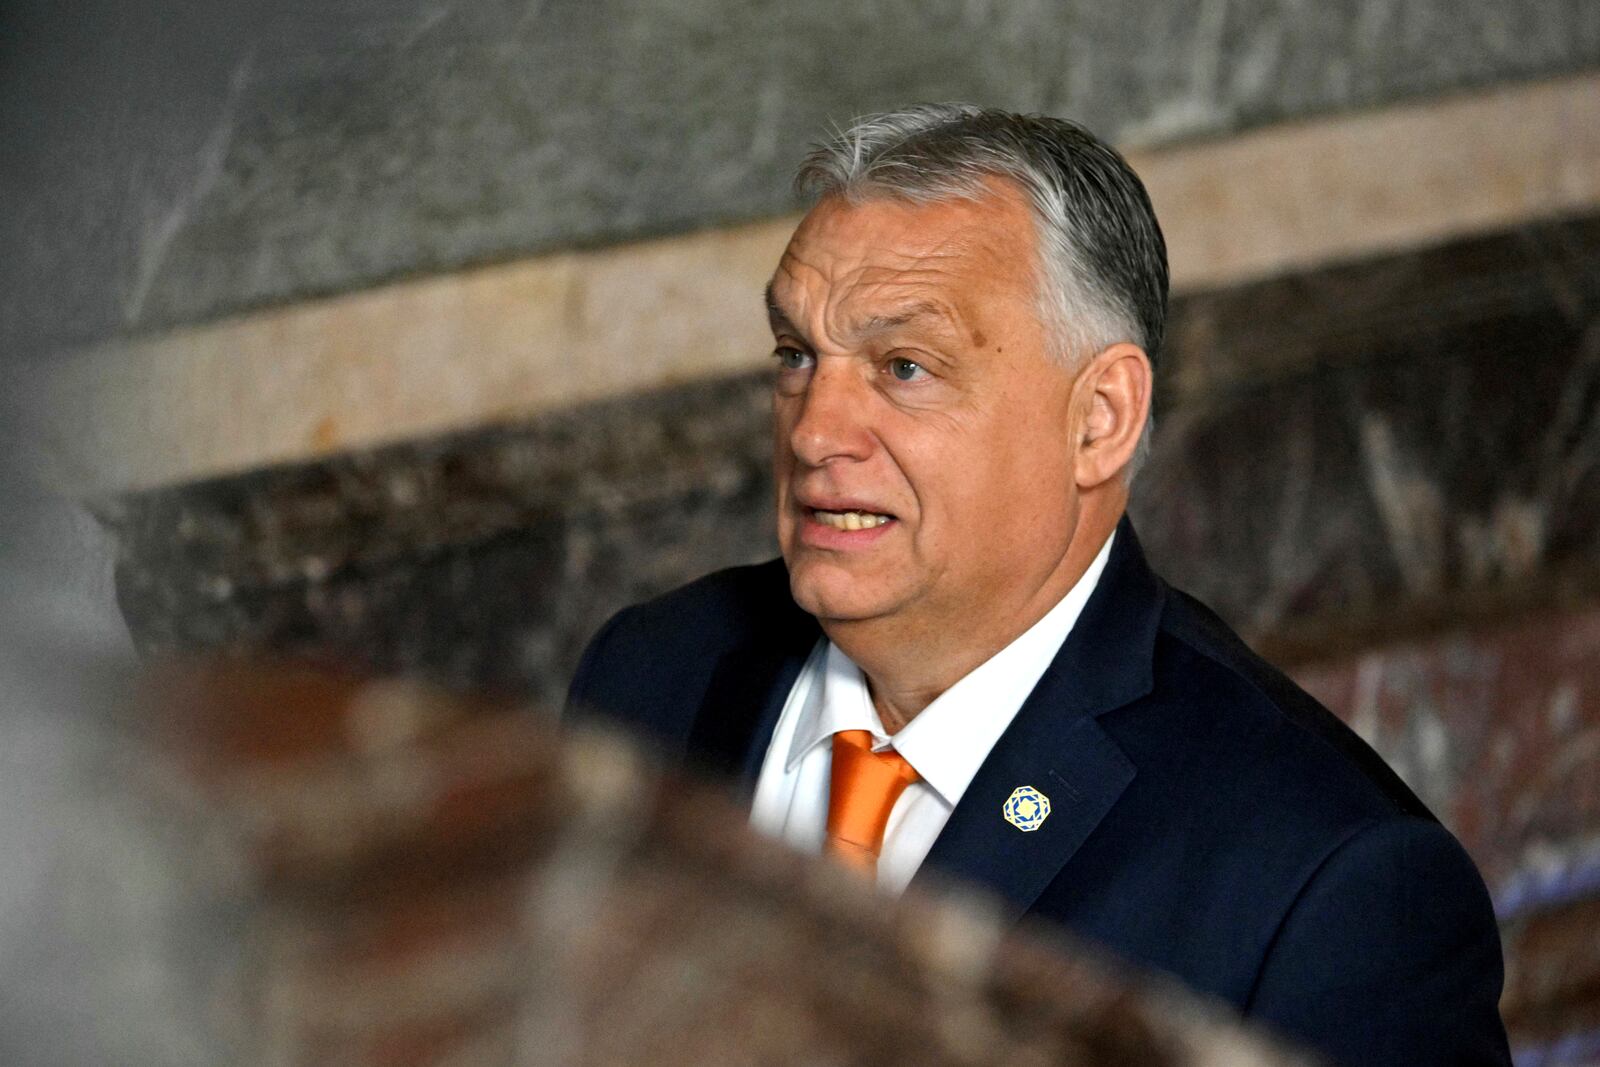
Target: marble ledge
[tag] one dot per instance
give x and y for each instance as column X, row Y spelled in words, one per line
column 1406, row 469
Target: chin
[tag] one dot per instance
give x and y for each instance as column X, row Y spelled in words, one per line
column 828, row 592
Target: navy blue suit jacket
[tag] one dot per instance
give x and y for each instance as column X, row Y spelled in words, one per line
column 1208, row 818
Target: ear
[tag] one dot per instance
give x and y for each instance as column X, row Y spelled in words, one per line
column 1117, row 380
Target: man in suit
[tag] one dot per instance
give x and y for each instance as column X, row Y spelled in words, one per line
column 962, row 666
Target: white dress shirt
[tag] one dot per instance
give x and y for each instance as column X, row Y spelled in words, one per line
column 947, row 741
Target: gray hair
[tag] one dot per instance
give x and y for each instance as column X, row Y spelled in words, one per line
column 1103, row 260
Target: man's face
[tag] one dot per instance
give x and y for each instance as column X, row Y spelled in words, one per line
column 922, row 433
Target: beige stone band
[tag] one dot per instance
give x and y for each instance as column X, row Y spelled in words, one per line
column 504, row 342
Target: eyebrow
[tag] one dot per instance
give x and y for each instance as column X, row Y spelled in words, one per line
column 775, row 312
column 920, row 309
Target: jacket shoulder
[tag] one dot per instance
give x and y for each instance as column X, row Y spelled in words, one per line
column 1260, row 830
column 651, row 664
column 1371, row 909
column 721, row 607
column 1278, row 729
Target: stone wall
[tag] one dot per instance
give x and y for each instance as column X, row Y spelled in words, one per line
column 180, row 162
column 1341, row 455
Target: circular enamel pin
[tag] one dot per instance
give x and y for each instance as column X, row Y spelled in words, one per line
column 1026, row 808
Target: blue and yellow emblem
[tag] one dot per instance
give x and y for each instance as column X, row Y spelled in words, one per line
column 1026, row 808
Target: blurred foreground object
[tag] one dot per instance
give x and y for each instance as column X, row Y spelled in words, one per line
column 393, row 876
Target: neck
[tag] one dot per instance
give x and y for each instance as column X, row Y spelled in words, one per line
column 909, row 662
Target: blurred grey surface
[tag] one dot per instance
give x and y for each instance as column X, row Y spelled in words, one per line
column 82, row 979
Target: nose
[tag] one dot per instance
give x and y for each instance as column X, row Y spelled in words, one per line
column 831, row 422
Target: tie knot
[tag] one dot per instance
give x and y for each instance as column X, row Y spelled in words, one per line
column 862, row 791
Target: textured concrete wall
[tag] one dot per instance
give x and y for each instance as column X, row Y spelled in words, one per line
column 173, row 162
column 503, row 342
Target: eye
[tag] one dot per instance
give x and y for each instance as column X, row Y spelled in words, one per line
column 790, row 358
column 906, row 370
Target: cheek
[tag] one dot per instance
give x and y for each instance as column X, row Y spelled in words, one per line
column 952, row 477
column 1005, row 482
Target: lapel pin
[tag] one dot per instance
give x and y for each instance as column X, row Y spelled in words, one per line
column 1026, row 808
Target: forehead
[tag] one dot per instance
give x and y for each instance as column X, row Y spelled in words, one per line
column 850, row 260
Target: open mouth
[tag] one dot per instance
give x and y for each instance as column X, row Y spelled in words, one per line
column 850, row 520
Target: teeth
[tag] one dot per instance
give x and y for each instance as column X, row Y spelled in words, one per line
column 851, row 520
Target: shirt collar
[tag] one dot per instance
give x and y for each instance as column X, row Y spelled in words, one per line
column 839, row 700
column 950, row 738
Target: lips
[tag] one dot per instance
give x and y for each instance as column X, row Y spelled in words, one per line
column 845, row 515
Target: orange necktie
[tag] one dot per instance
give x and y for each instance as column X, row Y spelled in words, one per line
column 861, row 793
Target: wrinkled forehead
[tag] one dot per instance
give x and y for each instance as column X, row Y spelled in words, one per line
column 860, row 258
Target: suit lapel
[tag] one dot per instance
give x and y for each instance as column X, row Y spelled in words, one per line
column 751, row 682
column 1056, row 745
column 742, row 706
column 1078, row 769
